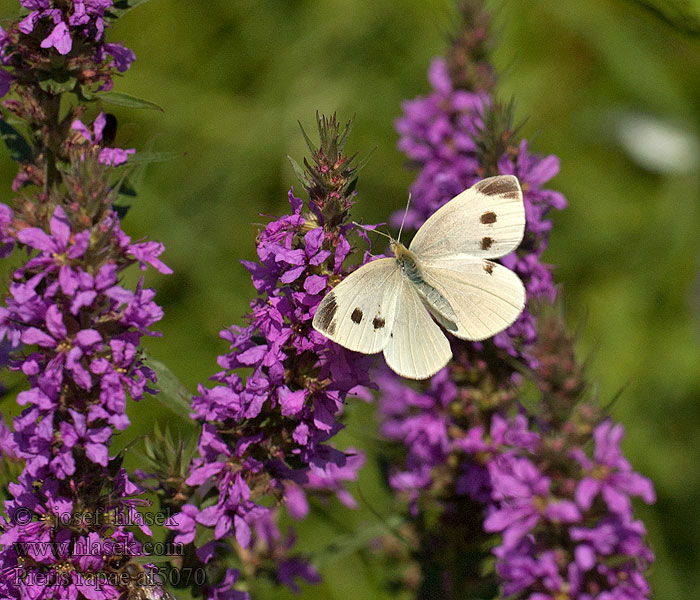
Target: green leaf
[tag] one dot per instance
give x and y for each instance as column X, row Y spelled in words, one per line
column 363, row 163
column 56, row 82
column 530, row 396
column 203, row 535
column 299, row 172
column 151, row 157
column 173, row 392
column 19, row 149
column 126, row 189
column 122, row 210
column 85, row 92
column 344, row 136
column 125, row 195
column 309, row 143
column 121, row 99
column 121, row 7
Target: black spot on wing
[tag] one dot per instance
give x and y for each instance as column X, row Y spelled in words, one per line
column 488, row 267
column 356, row 316
column 499, row 186
column 486, row 243
column 378, row 322
column 326, row 312
column 488, row 217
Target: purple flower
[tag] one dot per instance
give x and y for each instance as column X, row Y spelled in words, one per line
column 294, row 567
column 5, row 82
column 236, row 513
column 115, row 156
column 332, row 478
column 603, row 544
column 225, row 590
column 94, row 136
column 58, row 246
column 35, row 4
column 123, row 57
column 59, row 38
column 523, row 495
column 79, row 324
column 107, row 156
column 69, row 351
column 610, row 474
column 87, row 20
column 8, row 446
column 38, row 445
column 7, row 240
column 67, row 551
column 146, row 253
column 234, row 510
column 27, row 24
column 93, row 440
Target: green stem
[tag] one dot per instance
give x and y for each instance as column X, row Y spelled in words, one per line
column 52, row 106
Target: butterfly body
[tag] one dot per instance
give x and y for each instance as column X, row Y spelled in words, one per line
column 386, row 305
column 409, row 264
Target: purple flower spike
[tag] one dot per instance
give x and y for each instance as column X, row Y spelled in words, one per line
column 269, row 433
column 285, row 275
column 64, row 495
column 472, row 463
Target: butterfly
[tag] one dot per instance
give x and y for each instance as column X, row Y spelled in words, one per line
column 388, row 305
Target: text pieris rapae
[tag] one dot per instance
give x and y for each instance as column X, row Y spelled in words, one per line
column 386, row 305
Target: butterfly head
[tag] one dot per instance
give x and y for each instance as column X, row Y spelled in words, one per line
column 398, row 249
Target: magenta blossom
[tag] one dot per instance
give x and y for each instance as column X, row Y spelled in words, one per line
column 610, row 474
column 108, row 156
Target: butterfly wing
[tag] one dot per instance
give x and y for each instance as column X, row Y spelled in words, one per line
column 359, row 312
column 417, row 348
column 486, row 221
column 486, row 296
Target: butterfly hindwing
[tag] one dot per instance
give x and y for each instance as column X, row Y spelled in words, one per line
column 359, row 312
column 417, row 348
column 486, row 221
column 486, row 296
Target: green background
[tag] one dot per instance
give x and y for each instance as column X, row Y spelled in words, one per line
column 235, row 76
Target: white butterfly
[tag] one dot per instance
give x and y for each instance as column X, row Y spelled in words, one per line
column 386, row 305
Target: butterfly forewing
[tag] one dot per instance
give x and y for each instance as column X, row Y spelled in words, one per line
column 359, row 312
column 486, row 221
column 486, row 296
column 417, row 349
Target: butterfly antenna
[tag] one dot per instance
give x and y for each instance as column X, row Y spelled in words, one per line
column 372, row 230
column 405, row 212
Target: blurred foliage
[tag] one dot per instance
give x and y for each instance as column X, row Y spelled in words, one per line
column 234, row 78
column 681, row 14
